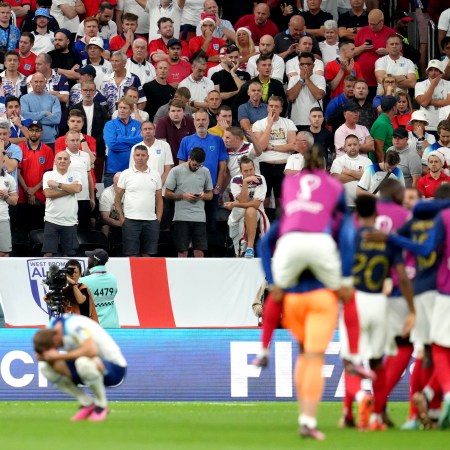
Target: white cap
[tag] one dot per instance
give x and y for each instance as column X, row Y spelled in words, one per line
column 98, row 41
column 436, row 64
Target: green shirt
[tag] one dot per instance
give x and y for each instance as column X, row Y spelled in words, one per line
column 383, row 130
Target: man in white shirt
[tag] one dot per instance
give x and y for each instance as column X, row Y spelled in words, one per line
column 444, row 26
column 61, row 208
column 304, row 142
column 305, row 45
column 67, row 13
column 44, row 39
column 199, row 86
column 395, row 64
column 349, row 167
column 107, row 26
column 138, row 64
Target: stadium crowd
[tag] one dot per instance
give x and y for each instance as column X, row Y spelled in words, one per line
column 128, row 89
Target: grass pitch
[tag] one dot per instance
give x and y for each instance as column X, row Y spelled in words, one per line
column 199, row 426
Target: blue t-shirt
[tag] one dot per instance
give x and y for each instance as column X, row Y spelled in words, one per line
column 14, row 152
column 214, row 149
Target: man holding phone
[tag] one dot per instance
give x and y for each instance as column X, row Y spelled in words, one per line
column 370, row 43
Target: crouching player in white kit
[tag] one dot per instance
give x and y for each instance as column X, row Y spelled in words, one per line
column 91, row 358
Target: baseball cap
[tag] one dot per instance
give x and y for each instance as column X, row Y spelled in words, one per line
column 436, row 64
column 403, row 16
column 172, row 42
column 98, row 41
column 350, row 106
column 400, row 132
column 64, row 31
column 420, row 116
column 35, row 123
column 42, row 12
column 100, row 255
column 388, row 102
column 87, row 70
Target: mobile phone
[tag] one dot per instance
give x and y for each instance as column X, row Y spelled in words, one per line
column 197, row 195
column 369, row 41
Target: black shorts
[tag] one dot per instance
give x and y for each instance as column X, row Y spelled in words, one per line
column 187, row 232
column 140, row 237
column 274, row 175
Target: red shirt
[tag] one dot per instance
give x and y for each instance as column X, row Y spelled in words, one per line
column 402, row 120
column 117, row 42
column 158, row 44
column 427, row 184
column 92, row 6
column 331, row 70
column 258, row 31
column 15, row 3
column 60, row 145
column 367, row 59
column 178, row 72
column 32, row 167
column 27, row 65
column 213, row 49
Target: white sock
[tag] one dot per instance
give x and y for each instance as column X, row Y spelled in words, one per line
column 447, row 397
column 428, row 392
column 93, row 379
column 359, row 397
column 310, row 422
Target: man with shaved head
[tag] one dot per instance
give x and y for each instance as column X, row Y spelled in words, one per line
column 258, row 23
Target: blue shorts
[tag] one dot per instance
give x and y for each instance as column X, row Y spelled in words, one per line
column 112, row 376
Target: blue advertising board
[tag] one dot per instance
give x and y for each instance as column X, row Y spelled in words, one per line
column 182, row 365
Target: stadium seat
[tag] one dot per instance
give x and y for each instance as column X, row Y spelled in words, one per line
column 92, row 239
column 20, row 243
column 36, row 241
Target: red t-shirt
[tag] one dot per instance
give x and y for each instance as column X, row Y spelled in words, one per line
column 92, row 6
column 158, row 44
column 178, row 72
column 213, row 48
column 367, row 59
column 117, row 42
column 258, row 32
column 27, row 65
column 427, row 184
column 32, row 167
column 15, row 3
column 331, row 70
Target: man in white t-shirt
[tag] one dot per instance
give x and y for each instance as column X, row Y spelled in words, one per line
column 305, row 91
column 111, row 225
column 395, row 64
column 140, row 188
column 349, row 167
column 276, row 137
column 68, row 17
column 61, row 208
column 444, row 25
column 350, row 126
column 303, row 143
column 8, row 196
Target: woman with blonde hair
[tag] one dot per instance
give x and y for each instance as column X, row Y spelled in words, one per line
column 389, row 87
column 246, row 46
column 404, row 111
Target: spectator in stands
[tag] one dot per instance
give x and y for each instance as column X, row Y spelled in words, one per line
column 224, row 29
column 111, row 225
column 404, row 111
column 14, row 83
column 418, row 137
column 270, row 86
column 179, row 68
column 138, row 64
column 9, row 33
column 91, row 127
column 341, row 67
column 158, row 48
column 235, row 9
column 276, row 137
column 323, row 138
column 158, row 91
column 114, row 84
column 159, row 152
column 230, row 79
column 29, row 22
column 351, row 115
column 401, row 21
column 102, row 66
column 87, row 73
column 91, row 30
column 315, row 18
column 428, row 183
column 351, row 22
column 382, row 129
column 433, row 93
column 367, row 112
column 224, row 119
column 174, row 127
column 27, row 57
column 132, row 93
column 305, row 45
column 246, row 46
column 43, row 107
column 410, row 163
column 198, row 84
column 67, row 13
column 213, row 102
column 18, row 125
column 266, row 48
column 253, row 110
column 206, row 46
column 37, row 159
column 120, row 135
column 258, row 22
column 44, row 38
column 305, row 91
column 304, row 142
column 443, row 26
column 181, row 94
column 124, row 40
column 349, row 167
column 61, row 207
column 248, row 192
column 140, row 188
column 443, row 145
column 8, row 198
column 157, row 9
column 63, row 60
column 11, row 152
column 402, row 69
column 330, row 46
column 337, row 103
column 190, row 185
column 370, row 42
column 125, row 7
column 374, row 174
column 107, row 28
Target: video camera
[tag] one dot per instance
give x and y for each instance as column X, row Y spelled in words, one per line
column 56, row 282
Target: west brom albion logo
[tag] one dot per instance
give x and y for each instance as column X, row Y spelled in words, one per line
column 37, row 273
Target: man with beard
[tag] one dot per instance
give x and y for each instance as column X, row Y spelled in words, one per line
column 106, row 26
column 179, row 68
column 266, row 48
